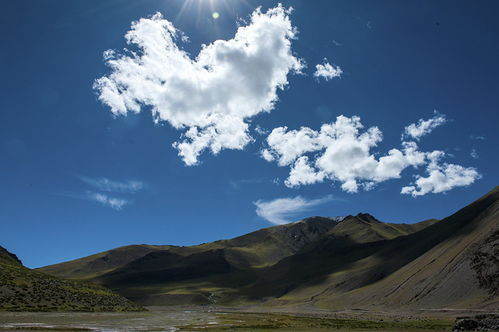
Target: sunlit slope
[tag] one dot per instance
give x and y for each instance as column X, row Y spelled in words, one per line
column 454, row 263
column 224, row 271
column 258, row 249
column 262, row 247
column 94, row 265
column 22, row 289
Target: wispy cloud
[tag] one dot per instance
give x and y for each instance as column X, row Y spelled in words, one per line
column 474, row 154
column 108, row 201
column 477, row 137
column 283, row 210
column 108, row 185
column 424, row 127
column 104, row 191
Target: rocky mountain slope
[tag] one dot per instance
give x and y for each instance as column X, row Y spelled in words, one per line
column 453, row 263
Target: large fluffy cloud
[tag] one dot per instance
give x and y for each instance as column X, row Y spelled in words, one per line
column 281, row 210
column 212, row 96
column 342, row 151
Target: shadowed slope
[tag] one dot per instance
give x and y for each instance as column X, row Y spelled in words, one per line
column 451, row 263
column 223, row 270
column 258, row 249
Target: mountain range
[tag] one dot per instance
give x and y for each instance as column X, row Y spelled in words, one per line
column 335, row 263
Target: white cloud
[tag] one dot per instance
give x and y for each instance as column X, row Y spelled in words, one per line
column 286, row 146
column 280, row 211
column 105, row 184
column 261, row 131
column 342, row 151
column 302, row 173
column 339, row 151
column 327, row 71
column 105, row 200
column 481, row 138
column 211, row 96
column 474, row 154
column 441, row 177
column 109, row 186
column 424, row 127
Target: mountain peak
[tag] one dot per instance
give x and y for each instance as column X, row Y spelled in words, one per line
column 319, row 219
column 366, row 217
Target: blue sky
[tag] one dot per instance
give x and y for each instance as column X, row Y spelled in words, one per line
column 76, row 179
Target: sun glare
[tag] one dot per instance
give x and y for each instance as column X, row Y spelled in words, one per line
column 214, row 9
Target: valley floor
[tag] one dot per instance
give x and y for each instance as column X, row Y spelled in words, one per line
column 215, row 319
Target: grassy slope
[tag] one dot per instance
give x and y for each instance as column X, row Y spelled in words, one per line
column 22, row 289
column 235, row 270
column 94, row 265
column 203, row 277
column 258, row 249
column 434, row 268
column 365, row 228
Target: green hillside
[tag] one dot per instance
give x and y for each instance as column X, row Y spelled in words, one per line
column 23, row 289
column 355, row 261
column 221, row 271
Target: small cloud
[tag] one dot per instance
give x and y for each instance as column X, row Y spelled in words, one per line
column 474, row 154
column 423, row 127
column 261, row 131
column 369, row 25
column 481, row 138
column 327, row 71
column 441, row 177
column 108, row 185
column 284, row 210
column 336, row 43
column 105, row 200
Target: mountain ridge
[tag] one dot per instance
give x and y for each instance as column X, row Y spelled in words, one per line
column 307, row 229
column 327, row 262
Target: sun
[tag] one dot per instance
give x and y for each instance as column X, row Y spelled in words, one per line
column 213, row 9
